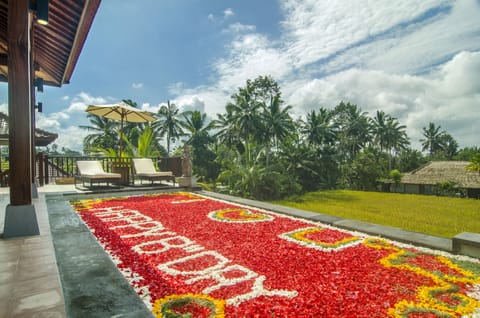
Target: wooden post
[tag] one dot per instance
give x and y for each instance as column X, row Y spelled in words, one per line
column 32, row 115
column 20, row 216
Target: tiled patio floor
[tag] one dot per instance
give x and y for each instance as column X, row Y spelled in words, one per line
column 29, row 279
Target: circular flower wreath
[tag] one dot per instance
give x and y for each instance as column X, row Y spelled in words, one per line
column 189, row 306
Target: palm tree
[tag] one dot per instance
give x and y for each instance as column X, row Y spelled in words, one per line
column 146, row 146
column 104, row 133
column 474, row 164
column 433, row 139
column 389, row 134
column 227, row 133
column 354, row 126
column 245, row 115
column 319, row 129
column 449, row 145
column 195, row 124
column 170, row 123
column 277, row 124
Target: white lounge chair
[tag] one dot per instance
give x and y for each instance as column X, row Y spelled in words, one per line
column 92, row 171
column 144, row 169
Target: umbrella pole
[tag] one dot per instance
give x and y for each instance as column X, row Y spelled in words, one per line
column 121, row 138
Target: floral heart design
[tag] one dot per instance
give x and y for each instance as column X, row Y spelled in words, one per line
column 238, row 215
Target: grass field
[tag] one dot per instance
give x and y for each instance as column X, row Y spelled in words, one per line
column 440, row 216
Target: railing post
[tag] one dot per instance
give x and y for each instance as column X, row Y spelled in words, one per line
column 45, row 169
column 40, row 169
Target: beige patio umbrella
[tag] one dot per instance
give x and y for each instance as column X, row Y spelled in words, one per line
column 122, row 112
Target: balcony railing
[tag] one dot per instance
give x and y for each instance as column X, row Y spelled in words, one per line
column 50, row 169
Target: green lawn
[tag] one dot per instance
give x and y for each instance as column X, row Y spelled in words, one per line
column 441, row 216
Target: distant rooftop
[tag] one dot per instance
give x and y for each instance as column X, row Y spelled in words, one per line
column 440, row 171
column 42, row 137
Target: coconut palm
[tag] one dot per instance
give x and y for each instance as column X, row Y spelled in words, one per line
column 277, row 124
column 226, row 132
column 169, row 123
column 355, row 128
column 103, row 134
column 195, row 124
column 319, row 129
column 449, row 145
column 389, row 135
column 245, row 115
column 433, row 140
column 146, row 145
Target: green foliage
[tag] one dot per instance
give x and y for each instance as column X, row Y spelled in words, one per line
column 410, row 159
column 257, row 150
column 365, row 171
column 203, row 158
column 448, row 189
column 467, row 153
column 170, row 123
column 396, row 176
column 474, row 164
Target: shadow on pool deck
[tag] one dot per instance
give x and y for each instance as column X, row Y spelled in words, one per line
column 91, row 283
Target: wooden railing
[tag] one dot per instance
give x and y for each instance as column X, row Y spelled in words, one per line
column 49, row 169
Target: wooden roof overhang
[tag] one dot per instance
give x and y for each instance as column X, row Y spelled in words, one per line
column 57, row 45
column 29, row 51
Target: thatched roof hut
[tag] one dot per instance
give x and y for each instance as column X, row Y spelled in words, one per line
column 424, row 179
column 440, row 171
column 42, row 137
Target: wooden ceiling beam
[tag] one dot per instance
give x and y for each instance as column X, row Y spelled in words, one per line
column 3, row 59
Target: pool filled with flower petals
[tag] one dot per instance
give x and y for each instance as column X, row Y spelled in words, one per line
column 186, row 253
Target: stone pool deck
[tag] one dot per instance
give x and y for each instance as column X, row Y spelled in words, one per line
column 63, row 272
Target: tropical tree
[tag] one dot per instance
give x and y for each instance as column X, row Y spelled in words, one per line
column 245, row 111
column 195, row 124
column 277, row 124
column 474, row 164
column 365, row 171
column 319, row 129
column 389, row 135
column 146, row 146
column 449, row 146
column 169, row 123
column 433, row 139
column 355, row 129
column 226, row 132
column 103, row 133
column 467, row 153
column 410, row 159
column 131, row 130
column 198, row 136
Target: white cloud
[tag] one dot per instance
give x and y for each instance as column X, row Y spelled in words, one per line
column 66, row 122
column 317, row 30
column 448, row 97
column 137, row 85
column 191, row 103
column 251, row 55
column 176, row 88
column 239, row 28
column 71, row 138
column 413, row 60
column 228, row 13
column 150, row 108
column 65, row 97
column 4, row 108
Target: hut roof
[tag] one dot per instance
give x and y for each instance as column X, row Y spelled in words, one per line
column 42, row 137
column 440, row 171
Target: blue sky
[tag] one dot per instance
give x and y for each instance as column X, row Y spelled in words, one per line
column 418, row 61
